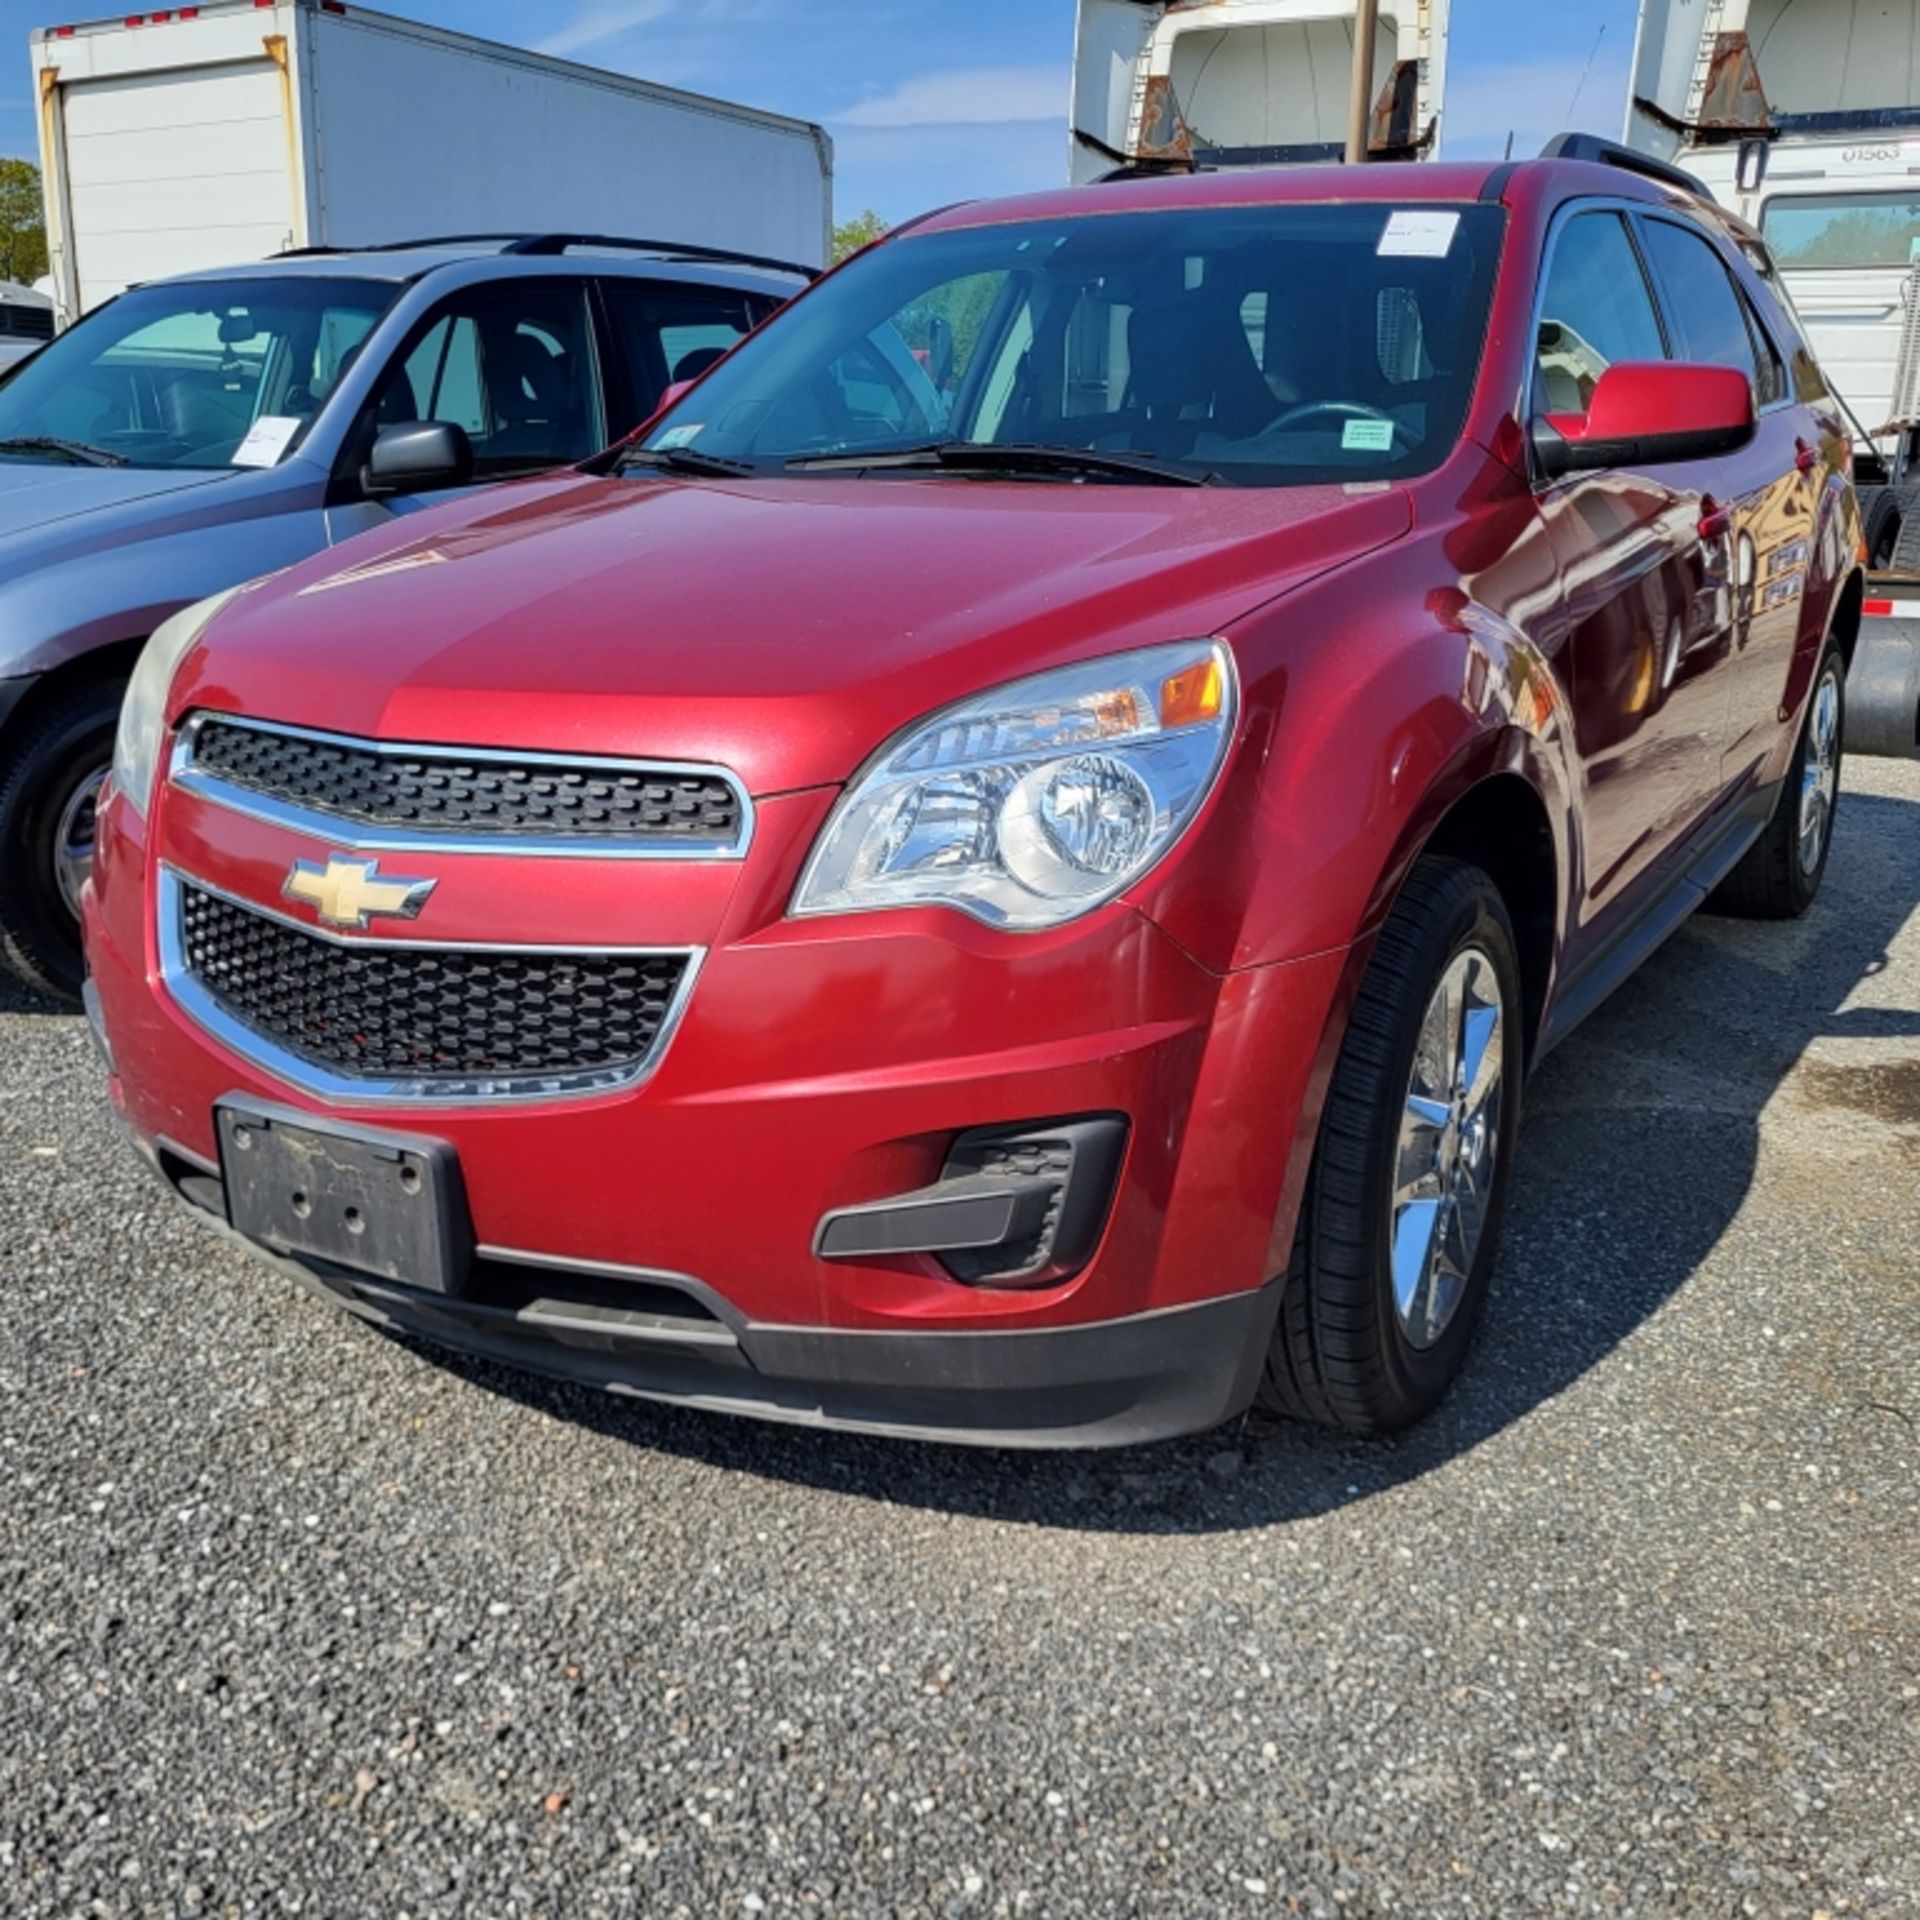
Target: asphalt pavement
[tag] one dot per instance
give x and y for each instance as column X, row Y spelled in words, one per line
column 296, row 1619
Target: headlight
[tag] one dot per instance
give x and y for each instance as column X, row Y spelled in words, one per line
column 143, row 717
column 1036, row 803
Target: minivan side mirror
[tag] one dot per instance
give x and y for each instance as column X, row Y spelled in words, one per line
column 419, row 457
column 1646, row 414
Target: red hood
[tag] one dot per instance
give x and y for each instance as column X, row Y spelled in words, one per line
column 782, row 628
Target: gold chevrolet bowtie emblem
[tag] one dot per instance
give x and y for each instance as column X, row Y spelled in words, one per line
column 349, row 893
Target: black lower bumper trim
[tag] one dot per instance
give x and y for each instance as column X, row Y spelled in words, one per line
column 1112, row 1384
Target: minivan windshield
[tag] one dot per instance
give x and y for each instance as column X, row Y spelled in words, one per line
column 1253, row 345
column 190, row 373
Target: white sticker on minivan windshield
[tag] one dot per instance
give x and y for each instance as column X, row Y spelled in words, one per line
column 1419, row 236
column 267, row 439
column 678, row 437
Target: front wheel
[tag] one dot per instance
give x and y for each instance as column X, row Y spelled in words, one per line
column 49, row 794
column 1402, row 1214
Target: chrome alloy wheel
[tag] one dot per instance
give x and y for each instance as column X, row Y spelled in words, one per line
column 1820, row 777
column 73, row 838
column 1449, row 1147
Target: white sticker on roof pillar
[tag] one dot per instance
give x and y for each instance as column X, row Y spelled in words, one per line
column 1419, row 236
column 267, row 439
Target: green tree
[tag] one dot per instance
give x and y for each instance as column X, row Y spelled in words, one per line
column 23, row 222
column 852, row 235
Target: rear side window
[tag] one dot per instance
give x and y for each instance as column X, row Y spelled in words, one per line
column 1597, row 312
column 677, row 333
column 1713, row 323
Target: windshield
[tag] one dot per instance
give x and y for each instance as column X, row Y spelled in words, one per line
column 1263, row 345
column 191, row 373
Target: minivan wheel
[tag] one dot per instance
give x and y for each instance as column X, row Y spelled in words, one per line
column 1779, row 876
column 48, row 796
column 1402, row 1213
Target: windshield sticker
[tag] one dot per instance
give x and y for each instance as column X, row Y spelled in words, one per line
column 1368, row 436
column 1419, row 236
column 267, row 439
column 678, row 437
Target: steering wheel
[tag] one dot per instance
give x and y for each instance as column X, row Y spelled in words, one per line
column 1336, row 409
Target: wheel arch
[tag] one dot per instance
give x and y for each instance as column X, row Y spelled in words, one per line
column 112, row 662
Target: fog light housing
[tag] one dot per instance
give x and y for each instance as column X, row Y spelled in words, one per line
column 1014, row 1206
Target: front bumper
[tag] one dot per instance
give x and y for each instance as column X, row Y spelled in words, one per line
column 663, row 1241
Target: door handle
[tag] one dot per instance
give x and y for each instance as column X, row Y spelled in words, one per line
column 1716, row 521
column 1806, row 458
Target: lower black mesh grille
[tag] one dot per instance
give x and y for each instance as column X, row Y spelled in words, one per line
column 426, row 1012
column 470, row 794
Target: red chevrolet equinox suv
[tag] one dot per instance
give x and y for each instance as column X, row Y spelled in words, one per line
column 999, row 872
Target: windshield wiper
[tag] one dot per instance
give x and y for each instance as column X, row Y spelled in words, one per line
column 684, row 460
column 1014, row 457
column 77, row 451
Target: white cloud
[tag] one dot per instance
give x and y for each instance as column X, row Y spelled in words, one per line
column 965, row 97
column 605, row 22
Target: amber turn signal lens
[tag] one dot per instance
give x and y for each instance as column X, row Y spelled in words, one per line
column 1193, row 694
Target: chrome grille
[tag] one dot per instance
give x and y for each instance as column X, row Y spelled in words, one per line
column 438, row 796
column 417, row 1019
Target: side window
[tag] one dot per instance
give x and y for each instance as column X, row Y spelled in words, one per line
column 1598, row 312
column 1809, row 383
column 513, row 365
column 1713, row 323
column 676, row 333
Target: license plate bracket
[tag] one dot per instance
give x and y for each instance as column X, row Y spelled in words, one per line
column 378, row 1203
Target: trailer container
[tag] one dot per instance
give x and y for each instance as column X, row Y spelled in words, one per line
column 201, row 136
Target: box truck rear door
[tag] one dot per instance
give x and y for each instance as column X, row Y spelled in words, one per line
column 170, row 172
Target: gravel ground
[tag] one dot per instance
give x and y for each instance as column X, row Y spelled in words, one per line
column 296, row 1619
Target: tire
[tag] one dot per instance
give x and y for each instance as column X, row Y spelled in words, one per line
column 64, row 747
column 1345, row 1354
column 1779, row 876
column 1883, row 514
column 1904, row 553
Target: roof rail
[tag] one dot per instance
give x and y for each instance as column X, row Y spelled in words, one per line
column 1610, row 153
column 534, row 245
column 551, row 243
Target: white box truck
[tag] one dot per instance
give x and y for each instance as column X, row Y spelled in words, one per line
column 1240, row 83
column 200, row 136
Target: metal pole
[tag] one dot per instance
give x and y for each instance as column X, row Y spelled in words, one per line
column 1366, row 27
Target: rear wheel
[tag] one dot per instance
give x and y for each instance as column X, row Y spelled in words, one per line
column 1780, row 875
column 1402, row 1214
column 49, row 795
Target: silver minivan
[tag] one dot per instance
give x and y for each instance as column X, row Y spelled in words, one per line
column 199, row 432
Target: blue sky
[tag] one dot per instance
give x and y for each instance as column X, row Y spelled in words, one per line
column 937, row 100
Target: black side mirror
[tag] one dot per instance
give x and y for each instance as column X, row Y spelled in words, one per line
column 419, row 457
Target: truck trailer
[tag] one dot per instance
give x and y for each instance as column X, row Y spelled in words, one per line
column 1248, row 83
column 202, row 136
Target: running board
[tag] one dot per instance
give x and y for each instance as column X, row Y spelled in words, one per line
column 1658, row 921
